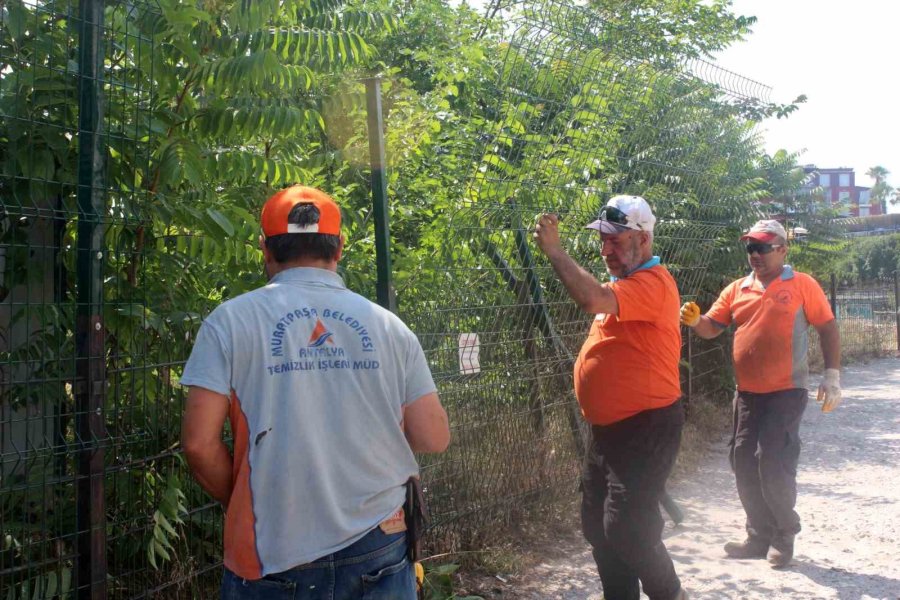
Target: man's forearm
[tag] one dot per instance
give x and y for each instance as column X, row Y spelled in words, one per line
column 830, row 340
column 212, row 468
column 588, row 293
column 707, row 328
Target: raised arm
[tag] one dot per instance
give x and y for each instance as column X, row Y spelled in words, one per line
column 589, row 294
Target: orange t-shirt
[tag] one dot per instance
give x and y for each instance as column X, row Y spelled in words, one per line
column 771, row 341
column 629, row 362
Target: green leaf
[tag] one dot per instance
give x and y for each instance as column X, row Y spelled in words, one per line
column 16, row 19
column 164, row 523
column 221, row 220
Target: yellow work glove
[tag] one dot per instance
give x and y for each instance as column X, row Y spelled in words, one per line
column 829, row 395
column 420, row 578
column 690, row 314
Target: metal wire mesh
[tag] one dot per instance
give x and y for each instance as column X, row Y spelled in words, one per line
column 97, row 316
column 868, row 318
column 37, row 411
column 577, row 117
column 81, row 458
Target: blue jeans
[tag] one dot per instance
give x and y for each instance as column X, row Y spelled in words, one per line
column 374, row 567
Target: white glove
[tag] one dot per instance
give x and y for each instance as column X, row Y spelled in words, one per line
column 829, row 395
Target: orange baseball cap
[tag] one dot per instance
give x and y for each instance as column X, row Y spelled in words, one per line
column 277, row 209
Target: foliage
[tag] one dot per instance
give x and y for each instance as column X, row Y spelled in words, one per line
column 211, row 105
column 869, row 258
column 881, row 191
column 438, row 583
column 673, row 30
column 790, row 199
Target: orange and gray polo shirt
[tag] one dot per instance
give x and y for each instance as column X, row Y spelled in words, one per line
column 771, row 340
column 318, row 377
column 629, row 362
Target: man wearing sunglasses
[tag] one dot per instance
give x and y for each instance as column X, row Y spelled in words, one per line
column 626, row 382
column 772, row 309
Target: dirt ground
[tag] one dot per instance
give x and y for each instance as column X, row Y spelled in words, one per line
column 849, row 500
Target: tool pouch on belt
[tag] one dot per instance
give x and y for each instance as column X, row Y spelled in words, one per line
column 416, row 518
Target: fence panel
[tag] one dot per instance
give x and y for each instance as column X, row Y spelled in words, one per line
column 97, row 313
column 572, row 124
column 88, row 411
column 868, row 317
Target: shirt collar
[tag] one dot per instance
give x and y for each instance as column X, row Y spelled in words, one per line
column 787, row 272
column 308, row 275
column 650, row 263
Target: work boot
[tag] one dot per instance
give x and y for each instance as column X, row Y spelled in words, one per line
column 782, row 551
column 749, row 548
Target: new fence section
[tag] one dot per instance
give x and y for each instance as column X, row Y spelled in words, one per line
column 105, row 276
column 572, row 121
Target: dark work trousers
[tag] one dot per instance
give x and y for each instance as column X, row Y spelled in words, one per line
column 624, row 478
column 765, row 451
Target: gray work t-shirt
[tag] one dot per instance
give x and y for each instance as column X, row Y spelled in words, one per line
column 317, row 376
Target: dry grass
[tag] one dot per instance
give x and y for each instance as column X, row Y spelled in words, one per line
column 861, row 341
column 550, row 530
column 709, row 419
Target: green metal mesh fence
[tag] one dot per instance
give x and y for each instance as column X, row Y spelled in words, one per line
column 868, row 317
column 87, row 415
column 97, row 320
column 579, row 115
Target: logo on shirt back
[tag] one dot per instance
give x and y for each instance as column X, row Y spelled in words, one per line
column 322, row 352
column 319, row 336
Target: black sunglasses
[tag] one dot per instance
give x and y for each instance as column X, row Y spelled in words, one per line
column 761, row 248
column 613, row 215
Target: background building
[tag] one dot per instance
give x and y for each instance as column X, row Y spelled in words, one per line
column 838, row 187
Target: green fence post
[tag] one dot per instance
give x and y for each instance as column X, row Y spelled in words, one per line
column 90, row 384
column 384, row 285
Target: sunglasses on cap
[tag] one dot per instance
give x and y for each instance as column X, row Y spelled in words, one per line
column 613, row 215
column 761, row 248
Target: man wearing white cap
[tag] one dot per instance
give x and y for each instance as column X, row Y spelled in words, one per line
column 772, row 309
column 626, row 382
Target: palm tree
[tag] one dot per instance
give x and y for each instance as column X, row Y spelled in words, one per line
column 881, row 190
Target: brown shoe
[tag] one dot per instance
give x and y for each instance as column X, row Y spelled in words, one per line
column 781, row 552
column 749, row 548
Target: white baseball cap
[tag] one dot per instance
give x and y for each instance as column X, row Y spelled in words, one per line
column 766, row 231
column 622, row 213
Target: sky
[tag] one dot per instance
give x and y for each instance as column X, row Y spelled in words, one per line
column 844, row 58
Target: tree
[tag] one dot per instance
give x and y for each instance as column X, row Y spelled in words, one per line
column 881, row 191
column 208, row 107
column 250, row 96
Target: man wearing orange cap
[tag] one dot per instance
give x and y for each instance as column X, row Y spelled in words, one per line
column 627, row 384
column 772, row 309
column 328, row 396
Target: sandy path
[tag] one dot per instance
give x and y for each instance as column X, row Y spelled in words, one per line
column 849, row 486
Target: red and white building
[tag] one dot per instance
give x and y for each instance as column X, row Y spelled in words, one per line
column 838, row 186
